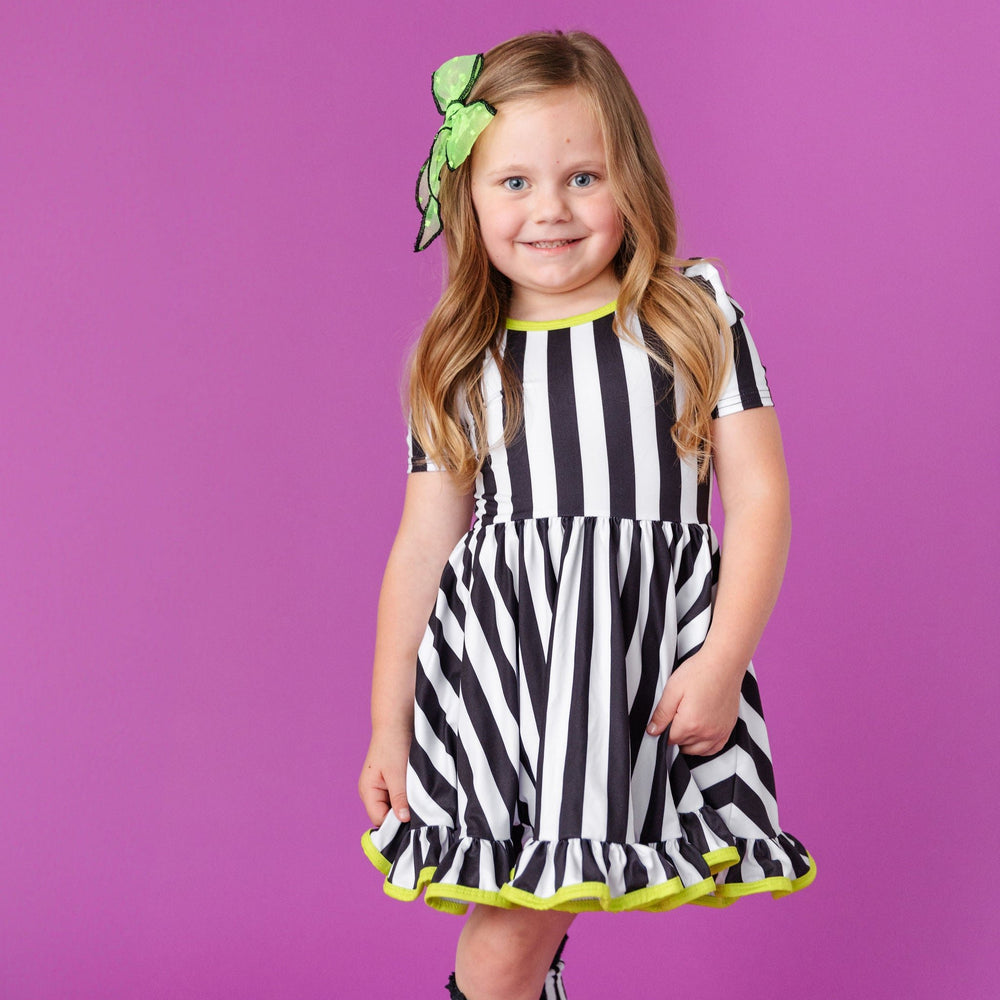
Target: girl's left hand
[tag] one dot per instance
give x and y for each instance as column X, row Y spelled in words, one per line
column 701, row 704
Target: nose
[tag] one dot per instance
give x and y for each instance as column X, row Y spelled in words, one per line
column 550, row 204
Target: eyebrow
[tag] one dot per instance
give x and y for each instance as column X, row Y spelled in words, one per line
column 514, row 169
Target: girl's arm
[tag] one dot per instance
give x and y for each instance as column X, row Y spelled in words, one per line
column 701, row 698
column 435, row 516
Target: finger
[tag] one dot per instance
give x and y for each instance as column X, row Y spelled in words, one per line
column 701, row 748
column 686, row 733
column 376, row 802
column 397, row 796
column 665, row 710
column 679, row 734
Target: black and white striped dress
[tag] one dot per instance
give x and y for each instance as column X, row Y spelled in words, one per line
column 588, row 575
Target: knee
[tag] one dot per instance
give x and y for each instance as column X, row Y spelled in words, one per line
column 495, row 964
column 506, row 958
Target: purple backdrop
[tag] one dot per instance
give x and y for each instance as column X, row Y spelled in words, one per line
column 207, row 289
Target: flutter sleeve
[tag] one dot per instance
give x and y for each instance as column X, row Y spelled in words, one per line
column 746, row 386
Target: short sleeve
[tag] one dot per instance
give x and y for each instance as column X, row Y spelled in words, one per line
column 417, row 460
column 746, row 385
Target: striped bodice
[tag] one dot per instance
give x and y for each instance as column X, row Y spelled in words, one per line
column 595, row 439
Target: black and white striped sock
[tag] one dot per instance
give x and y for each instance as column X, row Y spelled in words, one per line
column 553, row 988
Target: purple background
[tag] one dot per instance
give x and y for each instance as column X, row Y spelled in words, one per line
column 207, row 288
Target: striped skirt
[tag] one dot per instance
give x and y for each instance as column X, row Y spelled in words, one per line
column 531, row 780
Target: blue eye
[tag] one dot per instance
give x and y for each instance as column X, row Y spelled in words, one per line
column 514, row 183
column 583, row 180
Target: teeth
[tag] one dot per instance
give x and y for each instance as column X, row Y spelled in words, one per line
column 550, row 244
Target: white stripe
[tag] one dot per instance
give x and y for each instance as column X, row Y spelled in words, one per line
column 487, row 871
column 641, row 405
column 486, row 661
column 633, row 654
column 736, row 761
column 560, row 691
column 421, row 802
column 484, row 784
column 730, row 401
column 546, row 885
column 594, row 822
column 741, row 824
column 493, row 399
column 688, row 506
column 758, row 368
column 616, row 869
column 451, row 630
column 693, row 632
column 535, row 598
column 590, row 420
column 430, row 664
column 750, row 868
column 428, row 809
column 537, row 425
column 711, row 273
column 755, row 724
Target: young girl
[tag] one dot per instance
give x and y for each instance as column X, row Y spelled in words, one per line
column 564, row 712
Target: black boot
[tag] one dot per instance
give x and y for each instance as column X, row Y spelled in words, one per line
column 552, row 990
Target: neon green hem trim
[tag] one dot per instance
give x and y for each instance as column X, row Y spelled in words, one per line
column 724, row 857
column 591, row 896
column 408, row 895
column 779, row 886
column 562, row 324
column 375, row 856
column 446, row 895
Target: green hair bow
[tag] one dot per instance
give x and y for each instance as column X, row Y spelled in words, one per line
column 450, row 85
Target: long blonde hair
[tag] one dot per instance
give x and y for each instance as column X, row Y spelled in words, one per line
column 445, row 367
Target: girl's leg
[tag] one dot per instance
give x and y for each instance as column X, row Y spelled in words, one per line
column 505, row 954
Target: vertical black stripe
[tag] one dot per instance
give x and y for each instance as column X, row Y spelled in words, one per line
column 670, row 466
column 743, row 360
column 517, row 451
column 565, row 429
column 628, row 601
column 439, row 788
column 652, row 823
column 559, row 863
column 543, row 727
column 704, row 500
column 474, row 818
column 531, row 644
column 483, row 720
column 643, row 702
column 617, row 417
column 418, row 457
column 489, row 491
column 619, row 738
column 575, row 767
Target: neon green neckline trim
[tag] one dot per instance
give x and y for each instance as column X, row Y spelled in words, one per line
column 562, row 324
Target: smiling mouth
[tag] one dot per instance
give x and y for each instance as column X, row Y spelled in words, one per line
column 551, row 244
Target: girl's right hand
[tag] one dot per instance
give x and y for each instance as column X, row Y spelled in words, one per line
column 382, row 784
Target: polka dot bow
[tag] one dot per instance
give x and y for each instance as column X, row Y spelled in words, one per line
column 463, row 123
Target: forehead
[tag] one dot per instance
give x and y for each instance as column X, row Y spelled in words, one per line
column 558, row 120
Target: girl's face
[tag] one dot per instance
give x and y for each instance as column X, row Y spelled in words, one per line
column 546, row 212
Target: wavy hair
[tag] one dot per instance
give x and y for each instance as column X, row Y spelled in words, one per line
column 444, row 369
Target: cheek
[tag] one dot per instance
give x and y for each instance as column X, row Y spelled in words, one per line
column 615, row 223
column 497, row 225
column 606, row 218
